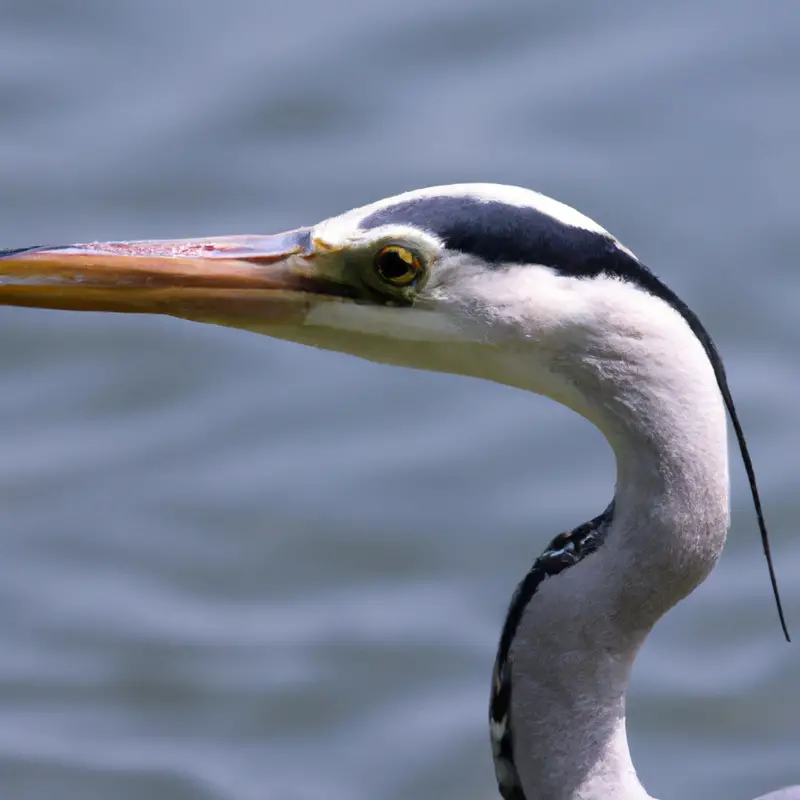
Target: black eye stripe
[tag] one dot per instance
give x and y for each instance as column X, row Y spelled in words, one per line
column 500, row 233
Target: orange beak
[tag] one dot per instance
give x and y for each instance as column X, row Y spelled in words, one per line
column 226, row 280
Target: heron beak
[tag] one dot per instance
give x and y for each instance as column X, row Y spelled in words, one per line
column 226, row 280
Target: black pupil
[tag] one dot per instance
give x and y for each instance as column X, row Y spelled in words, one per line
column 392, row 265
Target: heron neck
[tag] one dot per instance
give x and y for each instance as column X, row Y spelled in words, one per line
column 581, row 631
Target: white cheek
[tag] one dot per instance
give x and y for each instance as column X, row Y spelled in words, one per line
column 410, row 324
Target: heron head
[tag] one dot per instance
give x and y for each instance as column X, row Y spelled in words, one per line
column 480, row 279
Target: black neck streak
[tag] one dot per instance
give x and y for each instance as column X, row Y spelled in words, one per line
column 566, row 550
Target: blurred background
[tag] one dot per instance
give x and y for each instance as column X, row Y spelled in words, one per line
column 237, row 569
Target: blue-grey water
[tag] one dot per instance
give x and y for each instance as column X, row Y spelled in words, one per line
column 235, row 568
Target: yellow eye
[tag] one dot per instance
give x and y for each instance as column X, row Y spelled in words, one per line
column 398, row 265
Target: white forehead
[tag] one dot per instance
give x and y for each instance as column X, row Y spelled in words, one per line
column 345, row 227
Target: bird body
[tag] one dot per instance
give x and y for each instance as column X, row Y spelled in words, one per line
column 504, row 284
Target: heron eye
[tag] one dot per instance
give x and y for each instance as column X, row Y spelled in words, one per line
column 398, row 265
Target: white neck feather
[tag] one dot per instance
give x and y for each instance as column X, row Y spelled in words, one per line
column 644, row 379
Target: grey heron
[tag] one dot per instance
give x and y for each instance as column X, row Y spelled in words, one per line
column 505, row 284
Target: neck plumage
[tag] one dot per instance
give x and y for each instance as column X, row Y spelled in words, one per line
column 576, row 638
